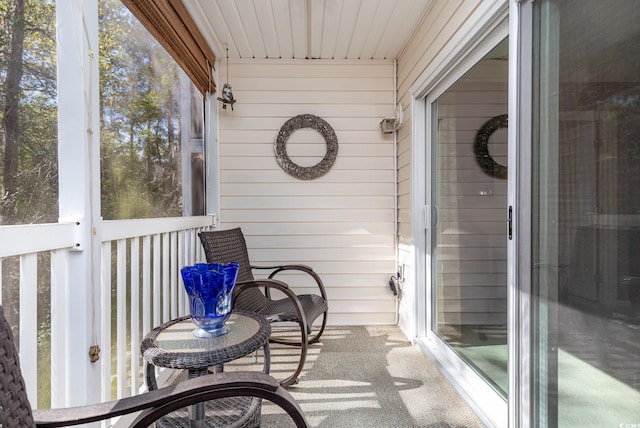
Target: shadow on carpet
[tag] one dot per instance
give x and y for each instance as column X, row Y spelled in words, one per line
column 368, row 377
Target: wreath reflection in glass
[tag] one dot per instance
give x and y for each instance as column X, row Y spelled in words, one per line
column 481, row 149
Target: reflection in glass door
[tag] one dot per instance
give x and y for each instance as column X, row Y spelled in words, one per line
column 586, row 214
column 468, row 227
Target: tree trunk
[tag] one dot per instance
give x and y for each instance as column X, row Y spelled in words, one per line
column 11, row 120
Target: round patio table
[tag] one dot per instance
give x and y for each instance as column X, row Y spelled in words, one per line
column 172, row 345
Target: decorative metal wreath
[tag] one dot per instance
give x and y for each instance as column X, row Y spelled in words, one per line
column 299, row 122
column 481, row 150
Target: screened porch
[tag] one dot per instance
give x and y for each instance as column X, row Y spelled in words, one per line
column 90, row 261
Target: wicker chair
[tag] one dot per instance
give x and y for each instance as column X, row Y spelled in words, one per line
column 224, row 246
column 15, row 410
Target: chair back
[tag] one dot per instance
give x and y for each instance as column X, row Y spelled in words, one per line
column 15, row 410
column 225, row 246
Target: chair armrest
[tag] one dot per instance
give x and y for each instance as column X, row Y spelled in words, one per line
column 155, row 404
column 302, row 268
column 280, row 266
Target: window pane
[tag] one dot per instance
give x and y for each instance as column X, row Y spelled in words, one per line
column 28, row 153
column 28, row 113
column 586, row 217
column 141, row 114
column 469, row 242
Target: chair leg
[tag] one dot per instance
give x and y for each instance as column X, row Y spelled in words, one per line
column 304, row 344
column 316, row 337
column 313, row 339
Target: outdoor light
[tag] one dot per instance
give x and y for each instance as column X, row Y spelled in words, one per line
column 388, row 125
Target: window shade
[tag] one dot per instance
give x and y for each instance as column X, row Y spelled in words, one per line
column 169, row 22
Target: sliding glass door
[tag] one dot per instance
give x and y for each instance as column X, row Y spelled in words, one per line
column 586, row 213
column 468, row 211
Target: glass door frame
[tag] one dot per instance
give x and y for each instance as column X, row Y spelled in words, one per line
column 487, row 403
column 531, row 407
column 520, row 348
column 519, row 250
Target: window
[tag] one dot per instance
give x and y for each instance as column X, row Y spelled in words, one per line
column 28, row 112
column 141, row 122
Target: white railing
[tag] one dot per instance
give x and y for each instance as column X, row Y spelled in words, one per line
column 148, row 292
column 140, row 288
column 25, row 242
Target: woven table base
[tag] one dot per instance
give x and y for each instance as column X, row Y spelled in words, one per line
column 232, row 412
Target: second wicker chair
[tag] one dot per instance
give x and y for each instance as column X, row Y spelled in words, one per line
column 16, row 411
column 224, row 246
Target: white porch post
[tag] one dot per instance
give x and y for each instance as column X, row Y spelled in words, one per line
column 79, row 188
column 211, row 150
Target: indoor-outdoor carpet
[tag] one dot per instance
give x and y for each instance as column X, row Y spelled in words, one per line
column 368, row 377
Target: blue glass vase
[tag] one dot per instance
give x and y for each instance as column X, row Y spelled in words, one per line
column 209, row 286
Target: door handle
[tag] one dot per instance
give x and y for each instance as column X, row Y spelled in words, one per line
column 435, row 217
column 510, row 223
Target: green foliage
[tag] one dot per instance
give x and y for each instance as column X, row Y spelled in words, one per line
column 140, row 135
column 34, row 197
column 140, row 141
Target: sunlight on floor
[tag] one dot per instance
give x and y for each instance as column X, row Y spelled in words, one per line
column 367, row 376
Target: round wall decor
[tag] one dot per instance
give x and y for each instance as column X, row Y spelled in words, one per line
column 481, row 149
column 299, row 122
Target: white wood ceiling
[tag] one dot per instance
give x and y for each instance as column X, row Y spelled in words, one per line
column 328, row 29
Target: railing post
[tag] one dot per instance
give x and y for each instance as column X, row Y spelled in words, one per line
column 212, row 156
column 79, row 189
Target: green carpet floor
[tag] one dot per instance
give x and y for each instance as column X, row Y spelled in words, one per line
column 587, row 396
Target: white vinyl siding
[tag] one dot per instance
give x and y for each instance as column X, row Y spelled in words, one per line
column 342, row 223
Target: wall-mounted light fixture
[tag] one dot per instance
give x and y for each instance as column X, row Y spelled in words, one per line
column 389, row 125
column 226, row 96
